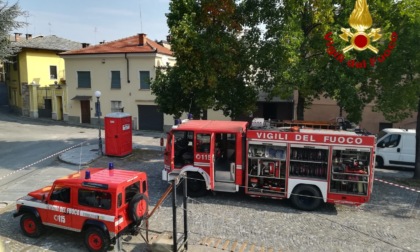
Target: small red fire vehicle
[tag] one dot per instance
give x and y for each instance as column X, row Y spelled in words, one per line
column 102, row 203
column 307, row 165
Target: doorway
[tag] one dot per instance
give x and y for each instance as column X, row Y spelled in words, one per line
column 85, row 111
column 59, row 108
column 225, row 157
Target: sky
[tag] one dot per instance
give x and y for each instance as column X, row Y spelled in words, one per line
column 92, row 21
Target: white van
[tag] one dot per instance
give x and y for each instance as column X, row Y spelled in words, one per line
column 396, row 147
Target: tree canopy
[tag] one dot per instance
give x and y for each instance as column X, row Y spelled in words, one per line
column 228, row 51
column 212, row 69
column 8, row 22
column 398, row 78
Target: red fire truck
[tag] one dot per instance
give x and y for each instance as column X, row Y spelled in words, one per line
column 307, row 165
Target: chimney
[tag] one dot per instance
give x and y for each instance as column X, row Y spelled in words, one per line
column 142, row 39
column 17, row 36
column 169, row 38
column 84, row 45
column 28, row 36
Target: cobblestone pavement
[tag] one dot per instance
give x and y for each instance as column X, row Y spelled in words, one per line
column 389, row 222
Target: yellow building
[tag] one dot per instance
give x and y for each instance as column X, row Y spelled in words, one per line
column 36, row 74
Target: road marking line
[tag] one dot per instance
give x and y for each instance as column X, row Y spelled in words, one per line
column 39, row 161
column 397, row 185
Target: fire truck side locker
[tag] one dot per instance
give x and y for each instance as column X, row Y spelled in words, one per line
column 335, row 165
column 118, row 134
column 266, row 169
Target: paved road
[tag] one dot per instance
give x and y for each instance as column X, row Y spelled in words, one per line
column 27, row 147
column 389, row 222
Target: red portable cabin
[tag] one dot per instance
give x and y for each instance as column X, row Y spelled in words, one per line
column 118, row 134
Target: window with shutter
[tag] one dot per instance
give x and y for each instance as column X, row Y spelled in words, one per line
column 83, row 79
column 144, row 80
column 115, row 80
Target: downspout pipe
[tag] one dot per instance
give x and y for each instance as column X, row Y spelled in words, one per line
column 128, row 68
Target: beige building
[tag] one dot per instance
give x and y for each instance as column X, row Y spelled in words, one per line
column 327, row 109
column 121, row 70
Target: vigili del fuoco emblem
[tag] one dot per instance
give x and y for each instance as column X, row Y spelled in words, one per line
column 360, row 38
column 360, row 20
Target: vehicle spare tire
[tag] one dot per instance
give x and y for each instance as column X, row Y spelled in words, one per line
column 138, row 208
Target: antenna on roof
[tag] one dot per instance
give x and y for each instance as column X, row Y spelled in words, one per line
column 141, row 22
column 26, row 15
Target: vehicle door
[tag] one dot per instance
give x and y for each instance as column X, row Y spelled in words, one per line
column 59, row 203
column 389, row 148
column 408, row 147
column 204, row 153
column 169, row 152
column 225, row 157
column 182, row 146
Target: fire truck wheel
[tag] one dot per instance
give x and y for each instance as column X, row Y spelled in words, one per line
column 196, row 186
column 306, row 197
column 138, row 207
column 96, row 240
column 379, row 162
column 31, row 225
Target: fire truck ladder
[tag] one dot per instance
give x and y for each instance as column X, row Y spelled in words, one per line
column 180, row 243
column 306, row 124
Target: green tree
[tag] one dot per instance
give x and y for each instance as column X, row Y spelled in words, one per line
column 292, row 57
column 292, row 53
column 8, row 22
column 212, row 69
column 228, row 51
column 397, row 78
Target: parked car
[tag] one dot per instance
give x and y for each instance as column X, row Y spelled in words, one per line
column 396, row 147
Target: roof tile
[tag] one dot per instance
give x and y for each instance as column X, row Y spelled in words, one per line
column 133, row 44
column 51, row 42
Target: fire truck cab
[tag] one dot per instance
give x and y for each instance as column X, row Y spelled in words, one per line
column 307, row 165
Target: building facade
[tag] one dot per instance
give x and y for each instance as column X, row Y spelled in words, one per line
column 122, row 71
column 35, row 75
column 324, row 109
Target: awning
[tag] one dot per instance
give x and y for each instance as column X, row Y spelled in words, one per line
column 82, row 97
